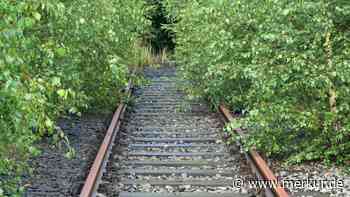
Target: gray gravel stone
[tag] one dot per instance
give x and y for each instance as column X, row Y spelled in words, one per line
column 158, row 111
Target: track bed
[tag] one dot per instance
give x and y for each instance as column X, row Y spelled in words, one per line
column 170, row 147
column 55, row 175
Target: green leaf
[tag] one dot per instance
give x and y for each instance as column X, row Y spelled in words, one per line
column 37, row 16
column 48, row 123
column 56, row 81
column 61, row 52
column 62, row 93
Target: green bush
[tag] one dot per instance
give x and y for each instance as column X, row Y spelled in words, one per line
column 58, row 57
column 284, row 64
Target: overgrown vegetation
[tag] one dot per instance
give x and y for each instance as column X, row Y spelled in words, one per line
column 58, row 57
column 159, row 37
column 285, row 65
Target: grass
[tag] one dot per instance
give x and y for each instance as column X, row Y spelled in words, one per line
column 146, row 56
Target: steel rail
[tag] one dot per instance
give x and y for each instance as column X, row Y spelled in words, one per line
column 91, row 183
column 258, row 165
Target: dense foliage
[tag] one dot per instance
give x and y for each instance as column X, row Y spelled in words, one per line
column 284, row 64
column 58, row 56
column 159, row 37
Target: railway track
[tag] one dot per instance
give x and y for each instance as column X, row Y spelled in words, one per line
column 166, row 147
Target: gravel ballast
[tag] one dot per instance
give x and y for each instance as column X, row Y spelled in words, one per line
column 58, row 176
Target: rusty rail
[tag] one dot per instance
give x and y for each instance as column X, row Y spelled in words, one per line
column 95, row 173
column 258, row 164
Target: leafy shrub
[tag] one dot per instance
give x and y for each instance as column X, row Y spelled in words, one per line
column 58, row 56
column 284, row 64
